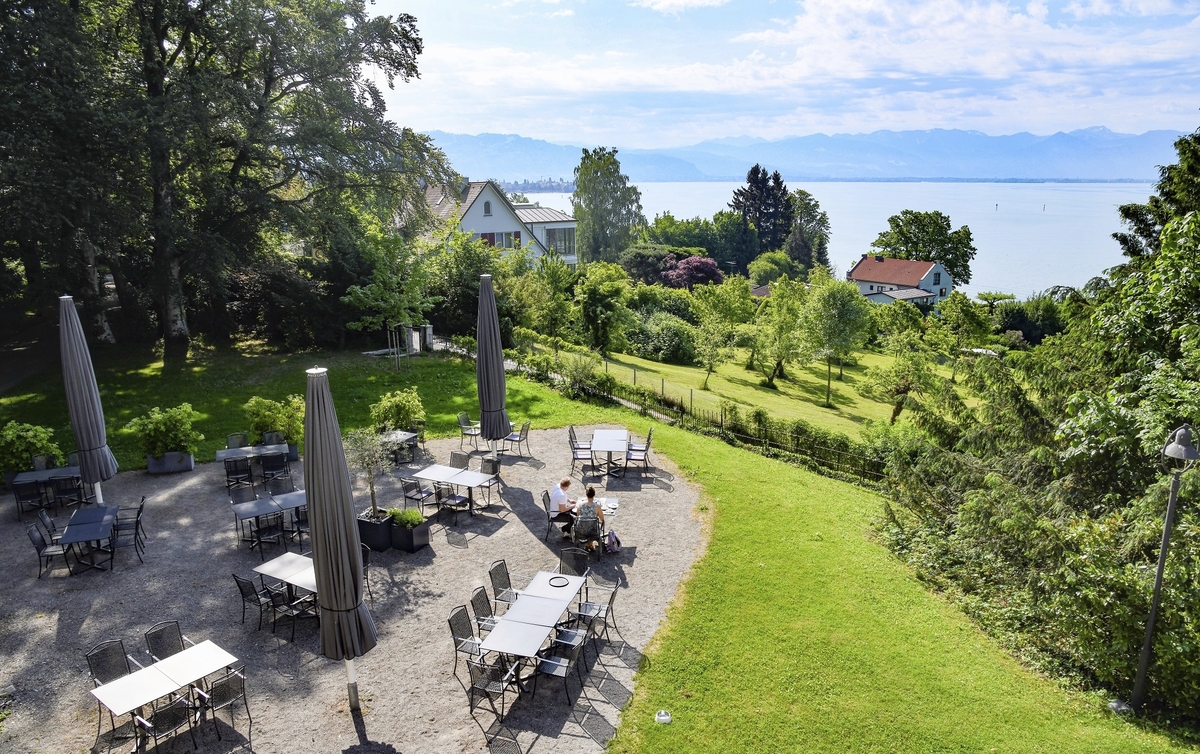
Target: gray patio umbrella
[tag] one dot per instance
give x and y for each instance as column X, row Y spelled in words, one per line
column 347, row 630
column 489, row 367
column 96, row 462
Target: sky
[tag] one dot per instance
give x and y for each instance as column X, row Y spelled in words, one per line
column 663, row 73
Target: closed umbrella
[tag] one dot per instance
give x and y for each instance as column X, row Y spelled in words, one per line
column 96, row 462
column 347, row 630
column 489, row 367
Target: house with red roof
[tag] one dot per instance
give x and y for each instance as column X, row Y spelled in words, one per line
column 884, row 280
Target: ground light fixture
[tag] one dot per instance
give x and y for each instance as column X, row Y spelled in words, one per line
column 1180, row 455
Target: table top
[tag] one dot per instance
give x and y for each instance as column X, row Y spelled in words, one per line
column 195, row 663
column 609, row 505
column 290, row 500
column 250, row 451
column 512, row 637
column 437, row 473
column 540, row 586
column 45, row 474
column 254, row 508
column 92, row 514
column 539, row 611
column 291, row 568
column 397, row 437
column 471, row 478
column 89, row 524
column 610, row 440
column 137, row 689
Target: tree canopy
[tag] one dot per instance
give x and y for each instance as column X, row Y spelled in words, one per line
column 607, row 207
column 765, row 203
column 808, row 242
column 928, row 237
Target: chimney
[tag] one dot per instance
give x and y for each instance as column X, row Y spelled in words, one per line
column 878, row 258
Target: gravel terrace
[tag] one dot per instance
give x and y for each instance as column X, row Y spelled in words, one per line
column 412, row 702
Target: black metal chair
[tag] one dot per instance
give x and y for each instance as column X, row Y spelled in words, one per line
column 366, row 572
column 29, row 496
column 590, row 614
column 238, row 473
column 491, row 466
column 281, row 605
column 560, row 666
column 465, row 641
column 639, row 454
column 459, row 460
column 448, row 499
column 268, row 528
column 130, row 519
column 167, row 718
column 575, row 441
column 46, row 552
column 107, row 662
column 42, row 463
column 643, row 445
column 516, row 439
column 414, row 492
column 67, row 490
column 165, row 639
column 51, row 530
column 587, row 528
column 467, row 428
column 490, row 680
column 274, row 466
column 274, row 437
column 280, row 485
column 573, row 561
column 300, row 525
column 252, row 595
column 223, row 693
column 485, row 619
column 552, row 518
column 236, row 440
column 502, row 583
column 418, row 429
column 73, row 458
column 123, row 538
column 583, row 456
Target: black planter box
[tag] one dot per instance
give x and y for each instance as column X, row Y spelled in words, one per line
column 410, row 540
column 375, row 534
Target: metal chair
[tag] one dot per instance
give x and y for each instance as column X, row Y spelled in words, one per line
column 130, row 519
column 279, row 485
column 587, row 528
column 281, row 605
column 238, row 473
column 643, row 445
column 574, row 439
column 268, row 528
column 639, row 454
column 502, row 583
column 459, row 460
column 583, row 456
column 107, row 662
column 123, row 538
column 560, row 666
column 274, row 437
column 236, row 440
column 300, row 525
column 515, row 439
column 167, row 718
column 467, row 428
column 165, row 639
column 73, row 458
column 448, row 499
column 67, row 490
column 589, row 613
column 552, row 518
column 573, row 561
column 490, row 681
column 491, row 466
column 29, row 495
column 223, row 693
column 366, row 572
column 485, row 619
column 274, row 466
column 418, row 429
column 465, row 641
column 413, row 491
column 47, row 522
column 252, row 595
column 42, row 463
column 45, row 551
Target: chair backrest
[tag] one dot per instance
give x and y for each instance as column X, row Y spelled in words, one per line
column 241, row 495
column 571, row 435
column 274, row 437
column 73, row 458
column 107, row 661
column 464, row 422
column 41, row 463
column 27, row 491
column 366, row 557
column 47, row 521
column 586, row 527
column 546, row 501
column 164, row 639
column 489, row 466
column 458, row 459
column 272, row 462
column 484, row 675
column 498, row 573
column 227, row 689
column 246, row 587
column 280, row 485
column 271, row 522
column 573, row 562
column 442, row 491
column 302, row 516
column 237, row 466
column 236, row 440
column 480, row 603
column 524, row 431
column 460, row 624
column 650, row 437
column 35, row 536
column 64, row 485
column 411, row 485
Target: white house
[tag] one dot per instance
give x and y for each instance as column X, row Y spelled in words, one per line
column 484, row 211
column 885, row 280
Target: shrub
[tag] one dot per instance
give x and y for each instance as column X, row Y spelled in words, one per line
column 400, row 409
column 663, row 337
column 578, row 372
column 170, row 431
column 20, row 442
column 409, row 518
column 286, row 416
column 464, row 345
column 541, row 367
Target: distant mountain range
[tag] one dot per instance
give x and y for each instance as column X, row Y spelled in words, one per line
column 1090, row 154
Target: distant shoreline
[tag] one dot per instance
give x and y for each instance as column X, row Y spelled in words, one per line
column 567, row 189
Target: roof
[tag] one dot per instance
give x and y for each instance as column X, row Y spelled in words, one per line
column 907, row 294
column 444, row 200
column 902, row 272
column 536, row 213
column 761, row 291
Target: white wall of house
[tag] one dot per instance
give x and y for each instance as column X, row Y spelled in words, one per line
column 490, row 213
column 937, row 281
column 539, row 232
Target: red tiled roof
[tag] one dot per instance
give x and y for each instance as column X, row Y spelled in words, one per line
column 872, row 269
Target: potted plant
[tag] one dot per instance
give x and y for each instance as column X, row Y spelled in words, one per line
column 367, row 455
column 400, row 409
column 410, row 529
column 20, row 442
column 286, row 417
column 167, row 438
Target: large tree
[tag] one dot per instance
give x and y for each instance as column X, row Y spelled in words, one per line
column 836, row 321
column 928, row 237
column 719, row 310
column 1178, row 190
column 765, row 203
column 607, row 207
column 808, row 242
column 779, row 334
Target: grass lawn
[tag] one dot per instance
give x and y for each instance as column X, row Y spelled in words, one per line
column 800, row 396
column 797, row 632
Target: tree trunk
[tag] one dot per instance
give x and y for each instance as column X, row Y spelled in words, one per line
column 707, row 374
column 31, row 260
column 841, row 365
column 828, row 379
column 96, row 294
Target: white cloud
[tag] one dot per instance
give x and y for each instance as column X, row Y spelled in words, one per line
column 562, row 13
column 675, row 6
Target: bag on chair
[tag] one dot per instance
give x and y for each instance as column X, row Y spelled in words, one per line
column 612, row 544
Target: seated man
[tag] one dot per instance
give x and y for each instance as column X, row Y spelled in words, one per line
column 561, row 506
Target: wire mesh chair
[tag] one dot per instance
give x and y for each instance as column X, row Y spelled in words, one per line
column 119, row 538
column 236, row 440
column 551, row 517
column 502, row 583
column 590, row 614
column 490, row 681
column 485, row 619
column 516, row 439
column 418, row 429
column 107, row 662
column 465, row 641
column 575, row 442
column 459, row 460
column 467, row 428
column 279, row 485
column 300, row 525
column 168, row 717
column 366, row 571
column 414, row 492
column 223, row 693
column 165, row 639
column 560, row 666
column 73, row 458
column 274, row 466
column 67, row 490
column 130, row 519
column 46, row 552
column 448, row 499
column 274, row 437
column 491, row 466
column 48, row 523
column 587, row 527
column 583, row 456
column 238, row 473
column 29, row 496
column 253, row 596
column 281, row 605
column 42, row 463
column 643, row 446
column 573, row 561
column 268, row 528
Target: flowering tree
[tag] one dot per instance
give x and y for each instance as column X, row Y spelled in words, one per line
column 690, row 271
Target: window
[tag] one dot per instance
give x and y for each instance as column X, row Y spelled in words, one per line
column 487, row 209
column 561, row 240
column 870, row 287
column 937, row 278
column 942, row 292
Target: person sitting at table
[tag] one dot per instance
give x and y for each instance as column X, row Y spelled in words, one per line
column 589, row 518
column 561, row 506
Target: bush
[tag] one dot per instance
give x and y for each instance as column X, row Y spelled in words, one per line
column 541, row 367
column 170, row 431
column 648, row 299
column 663, row 337
column 286, row 416
column 579, row 374
column 20, row 442
column 464, row 345
column 409, row 518
column 400, row 409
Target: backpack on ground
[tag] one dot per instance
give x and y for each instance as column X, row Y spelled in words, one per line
column 612, row 544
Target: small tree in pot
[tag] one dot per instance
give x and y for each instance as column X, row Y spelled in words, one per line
column 19, row 443
column 410, row 529
column 367, row 455
column 167, row 438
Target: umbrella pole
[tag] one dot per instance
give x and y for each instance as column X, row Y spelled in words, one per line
column 352, row 686
column 99, row 494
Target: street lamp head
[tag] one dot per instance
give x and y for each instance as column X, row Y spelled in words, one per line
column 1179, row 446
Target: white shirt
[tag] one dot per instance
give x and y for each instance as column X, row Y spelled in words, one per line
column 559, row 502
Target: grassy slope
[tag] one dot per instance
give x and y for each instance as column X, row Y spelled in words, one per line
column 798, row 633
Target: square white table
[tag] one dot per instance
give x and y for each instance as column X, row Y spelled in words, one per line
column 194, row 663
column 437, row 473
column 511, row 637
column 539, row 611
column 291, row 568
column 610, row 441
column 545, row 584
column 135, row 690
column 471, row 480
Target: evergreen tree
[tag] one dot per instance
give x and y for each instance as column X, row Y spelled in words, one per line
column 765, row 203
column 1178, row 193
column 607, row 208
column 808, row 242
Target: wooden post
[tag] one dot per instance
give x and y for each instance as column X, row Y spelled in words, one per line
column 691, row 400
column 635, row 375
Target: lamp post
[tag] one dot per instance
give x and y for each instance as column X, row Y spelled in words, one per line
column 1179, row 447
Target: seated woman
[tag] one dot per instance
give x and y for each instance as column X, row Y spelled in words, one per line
column 589, row 521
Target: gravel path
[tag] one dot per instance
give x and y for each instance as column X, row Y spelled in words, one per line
column 412, row 701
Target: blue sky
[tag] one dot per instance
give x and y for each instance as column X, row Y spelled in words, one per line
column 659, row 73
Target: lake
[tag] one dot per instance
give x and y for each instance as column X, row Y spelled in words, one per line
column 1030, row 236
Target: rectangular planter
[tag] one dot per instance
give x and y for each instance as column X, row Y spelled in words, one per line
column 170, row 463
column 410, row 540
column 375, row 534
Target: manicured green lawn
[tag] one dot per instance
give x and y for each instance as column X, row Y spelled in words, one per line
column 798, row 633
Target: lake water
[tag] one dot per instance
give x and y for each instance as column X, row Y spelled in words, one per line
column 1030, row 236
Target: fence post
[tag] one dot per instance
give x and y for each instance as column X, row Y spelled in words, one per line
column 722, row 417
column 606, row 366
column 635, row 375
column 662, row 387
column 691, row 400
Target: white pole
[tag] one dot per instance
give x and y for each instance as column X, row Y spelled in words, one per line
column 352, row 686
column 99, row 494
